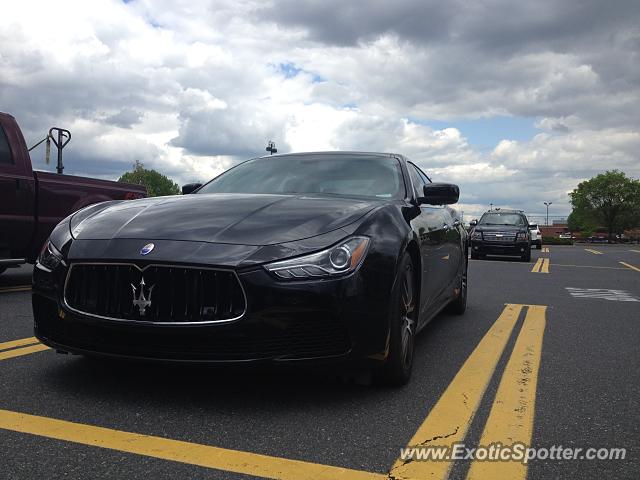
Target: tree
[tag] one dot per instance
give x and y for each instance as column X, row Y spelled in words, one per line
column 579, row 222
column 157, row 184
column 610, row 200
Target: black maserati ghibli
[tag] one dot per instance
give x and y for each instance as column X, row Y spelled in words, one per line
column 311, row 258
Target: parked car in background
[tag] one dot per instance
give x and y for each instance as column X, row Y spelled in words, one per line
column 33, row 202
column 566, row 236
column 536, row 235
column 501, row 232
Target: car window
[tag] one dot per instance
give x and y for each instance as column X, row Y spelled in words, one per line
column 5, row 150
column 416, row 178
column 373, row 176
column 423, row 176
column 499, row 218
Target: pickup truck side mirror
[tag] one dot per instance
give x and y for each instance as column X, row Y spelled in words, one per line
column 439, row 194
column 190, row 188
column 473, row 223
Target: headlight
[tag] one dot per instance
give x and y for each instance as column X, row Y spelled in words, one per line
column 341, row 259
column 521, row 236
column 476, row 235
column 49, row 258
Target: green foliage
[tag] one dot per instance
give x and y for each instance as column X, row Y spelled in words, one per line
column 157, row 184
column 610, row 200
column 578, row 221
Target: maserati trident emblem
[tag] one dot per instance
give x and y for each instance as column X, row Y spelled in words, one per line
column 141, row 300
column 147, row 249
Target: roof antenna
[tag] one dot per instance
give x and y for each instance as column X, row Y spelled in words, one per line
column 271, row 147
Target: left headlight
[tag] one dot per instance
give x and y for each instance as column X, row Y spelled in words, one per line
column 50, row 257
column 340, row 259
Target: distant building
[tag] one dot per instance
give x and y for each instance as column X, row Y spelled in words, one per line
column 554, row 230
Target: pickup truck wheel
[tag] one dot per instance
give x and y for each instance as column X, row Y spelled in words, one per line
column 404, row 314
column 526, row 256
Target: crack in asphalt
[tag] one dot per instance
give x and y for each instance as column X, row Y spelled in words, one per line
column 390, row 475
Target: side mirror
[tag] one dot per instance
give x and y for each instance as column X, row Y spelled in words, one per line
column 440, row 194
column 190, row 188
column 473, row 223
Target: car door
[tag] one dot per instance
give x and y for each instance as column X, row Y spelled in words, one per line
column 430, row 225
column 16, row 197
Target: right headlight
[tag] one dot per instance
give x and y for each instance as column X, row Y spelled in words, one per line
column 50, row 257
column 476, row 235
column 340, row 259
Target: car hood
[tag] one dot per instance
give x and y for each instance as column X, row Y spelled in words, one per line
column 242, row 219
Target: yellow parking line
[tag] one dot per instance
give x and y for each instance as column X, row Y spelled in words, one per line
column 23, row 288
column 630, row 266
column 18, row 352
column 246, row 463
column 449, row 420
column 18, row 343
column 545, row 249
column 595, row 252
column 545, row 266
column 512, row 413
column 541, row 265
column 637, row 251
column 536, row 267
column 587, row 266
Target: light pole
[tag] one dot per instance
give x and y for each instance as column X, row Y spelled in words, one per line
column 271, row 148
column 490, row 206
column 547, row 204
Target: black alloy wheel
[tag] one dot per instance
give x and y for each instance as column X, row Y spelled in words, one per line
column 459, row 305
column 403, row 323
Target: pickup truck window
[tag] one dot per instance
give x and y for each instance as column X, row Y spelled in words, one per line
column 5, row 151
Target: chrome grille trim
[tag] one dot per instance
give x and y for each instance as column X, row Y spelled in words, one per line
column 499, row 236
column 142, row 269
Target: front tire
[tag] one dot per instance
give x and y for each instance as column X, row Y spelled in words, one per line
column 526, row 256
column 404, row 314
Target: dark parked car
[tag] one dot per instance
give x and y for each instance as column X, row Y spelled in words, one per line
column 501, row 232
column 309, row 258
column 32, row 202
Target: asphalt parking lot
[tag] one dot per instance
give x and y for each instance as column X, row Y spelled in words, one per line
column 547, row 354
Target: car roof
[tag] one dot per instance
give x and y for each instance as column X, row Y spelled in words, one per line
column 335, row 153
column 504, row 210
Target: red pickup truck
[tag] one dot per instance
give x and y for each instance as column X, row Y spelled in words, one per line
column 32, row 202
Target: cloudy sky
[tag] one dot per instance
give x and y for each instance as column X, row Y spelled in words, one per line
column 515, row 101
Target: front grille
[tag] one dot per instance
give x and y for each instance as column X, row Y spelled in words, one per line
column 157, row 293
column 499, row 236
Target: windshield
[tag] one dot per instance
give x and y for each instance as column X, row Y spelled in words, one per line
column 495, row 218
column 378, row 177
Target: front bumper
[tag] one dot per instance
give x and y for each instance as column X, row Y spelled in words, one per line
column 311, row 322
column 481, row 247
